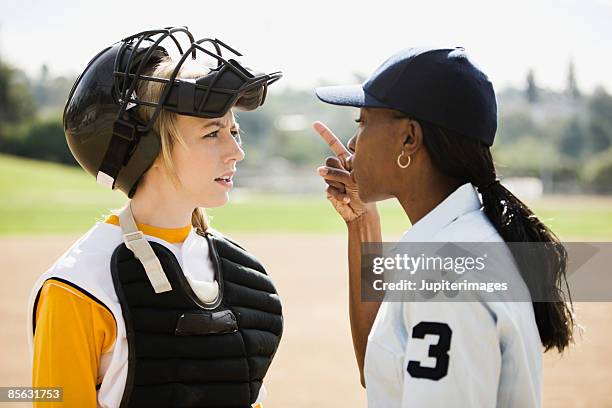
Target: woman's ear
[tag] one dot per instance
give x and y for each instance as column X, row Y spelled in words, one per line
column 413, row 136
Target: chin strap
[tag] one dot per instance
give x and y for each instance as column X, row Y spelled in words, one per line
column 136, row 242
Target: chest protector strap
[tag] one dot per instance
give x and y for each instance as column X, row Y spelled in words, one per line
column 135, row 241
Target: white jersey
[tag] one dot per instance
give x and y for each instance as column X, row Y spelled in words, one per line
column 459, row 354
column 87, row 265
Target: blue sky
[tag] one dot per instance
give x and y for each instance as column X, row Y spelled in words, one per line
column 330, row 40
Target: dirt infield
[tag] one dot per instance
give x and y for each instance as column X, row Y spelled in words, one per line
column 314, row 366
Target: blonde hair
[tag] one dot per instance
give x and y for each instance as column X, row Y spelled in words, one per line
column 166, row 124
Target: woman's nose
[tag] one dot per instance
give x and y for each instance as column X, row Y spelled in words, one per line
column 240, row 154
column 237, row 153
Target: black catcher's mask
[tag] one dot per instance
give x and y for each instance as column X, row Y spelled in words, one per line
column 114, row 144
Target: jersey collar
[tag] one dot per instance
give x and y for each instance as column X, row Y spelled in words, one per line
column 462, row 201
column 172, row 235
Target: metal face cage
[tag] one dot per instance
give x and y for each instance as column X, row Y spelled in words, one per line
column 208, row 96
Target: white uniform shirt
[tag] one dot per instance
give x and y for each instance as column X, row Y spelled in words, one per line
column 491, row 351
column 87, row 264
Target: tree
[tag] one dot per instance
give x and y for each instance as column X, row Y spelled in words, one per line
column 15, row 99
column 572, row 87
column 600, row 118
column 573, row 139
column 513, row 126
column 532, row 89
column 40, row 86
column 598, row 171
column 44, row 139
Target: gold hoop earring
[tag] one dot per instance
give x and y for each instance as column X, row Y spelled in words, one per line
column 399, row 161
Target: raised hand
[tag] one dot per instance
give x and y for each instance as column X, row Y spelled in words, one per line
column 342, row 190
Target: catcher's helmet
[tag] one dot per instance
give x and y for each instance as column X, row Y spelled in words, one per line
column 110, row 141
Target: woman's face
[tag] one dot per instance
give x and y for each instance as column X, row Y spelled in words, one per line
column 376, row 145
column 206, row 165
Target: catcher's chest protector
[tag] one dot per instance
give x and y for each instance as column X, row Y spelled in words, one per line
column 183, row 353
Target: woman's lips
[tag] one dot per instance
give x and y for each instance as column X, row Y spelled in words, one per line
column 227, row 183
column 226, row 180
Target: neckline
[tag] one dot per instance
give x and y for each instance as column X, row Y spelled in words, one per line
column 460, row 202
column 172, row 235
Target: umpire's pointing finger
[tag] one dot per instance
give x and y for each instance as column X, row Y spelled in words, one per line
column 332, row 140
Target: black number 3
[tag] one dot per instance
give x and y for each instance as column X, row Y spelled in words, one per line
column 439, row 351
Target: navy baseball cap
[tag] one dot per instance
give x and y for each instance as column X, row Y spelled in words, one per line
column 438, row 85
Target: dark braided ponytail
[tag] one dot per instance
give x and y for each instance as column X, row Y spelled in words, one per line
column 468, row 160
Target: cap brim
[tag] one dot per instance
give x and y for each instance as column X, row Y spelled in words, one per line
column 348, row 95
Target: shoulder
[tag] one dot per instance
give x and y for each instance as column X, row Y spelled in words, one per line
column 224, row 238
column 84, row 266
column 65, row 300
column 57, row 290
column 95, row 245
column 73, row 316
column 473, row 226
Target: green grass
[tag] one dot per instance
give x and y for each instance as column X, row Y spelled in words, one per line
column 293, row 213
column 577, row 223
column 46, row 198
column 41, row 197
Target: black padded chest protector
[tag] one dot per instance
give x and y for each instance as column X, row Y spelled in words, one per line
column 184, row 353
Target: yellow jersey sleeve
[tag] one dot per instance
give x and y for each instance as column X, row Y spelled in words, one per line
column 72, row 331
